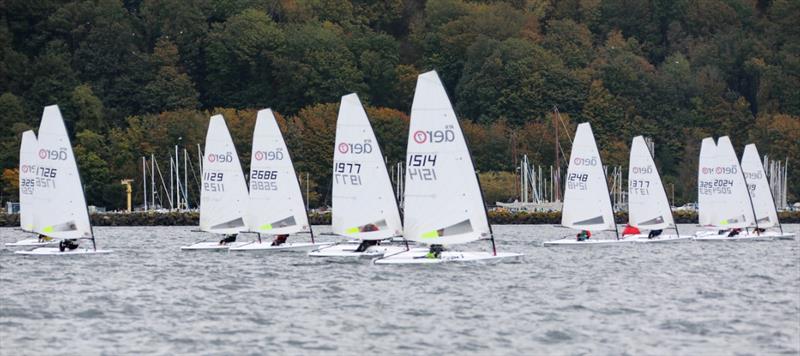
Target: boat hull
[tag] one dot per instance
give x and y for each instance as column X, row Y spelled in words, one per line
column 206, row 246
column 348, row 251
column 417, row 257
column 256, row 246
column 54, row 251
column 572, row 242
column 642, row 238
column 31, row 242
column 743, row 237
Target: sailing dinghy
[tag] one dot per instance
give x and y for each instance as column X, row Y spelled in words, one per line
column 443, row 200
column 763, row 203
column 587, row 203
column 60, row 210
column 364, row 207
column 648, row 207
column 223, row 198
column 275, row 205
column 723, row 201
column 27, row 184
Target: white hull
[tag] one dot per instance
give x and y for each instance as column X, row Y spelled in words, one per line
column 207, row 246
column 54, row 251
column 417, row 256
column 31, row 242
column 776, row 235
column 266, row 246
column 348, row 250
column 642, row 238
column 742, row 237
column 573, row 242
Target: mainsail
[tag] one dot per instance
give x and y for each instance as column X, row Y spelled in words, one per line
column 224, row 196
column 648, row 206
column 722, row 180
column 757, row 184
column 363, row 202
column 27, row 180
column 443, row 202
column 61, row 210
column 276, row 203
column 587, row 204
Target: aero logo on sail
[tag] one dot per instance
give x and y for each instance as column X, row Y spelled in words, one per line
column 579, row 161
column 355, row 148
column 223, row 158
column 435, row 136
column 56, row 155
column 276, row 155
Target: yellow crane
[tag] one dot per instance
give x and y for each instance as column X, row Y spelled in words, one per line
column 129, row 190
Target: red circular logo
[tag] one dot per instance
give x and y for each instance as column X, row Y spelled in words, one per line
column 420, row 137
column 259, row 155
column 25, row 169
column 343, row 147
column 42, row 153
column 212, row 157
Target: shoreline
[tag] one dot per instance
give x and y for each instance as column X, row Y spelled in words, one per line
column 495, row 217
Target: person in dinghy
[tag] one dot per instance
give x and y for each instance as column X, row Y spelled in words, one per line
column 279, row 240
column 230, row 238
column 583, row 235
column 630, row 230
column 44, row 238
column 365, row 244
column 68, row 244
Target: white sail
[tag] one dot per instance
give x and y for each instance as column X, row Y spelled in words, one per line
column 223, row 199
column 724, row 182
column 443, row 202
column 707, row 200
column 60, row 204
column 758, row 186
column 27, row 180
column 276, row 204
column 587, row 204
column 363, row 202
column 648, row 206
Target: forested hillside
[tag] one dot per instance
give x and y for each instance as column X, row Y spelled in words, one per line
column 131, row 77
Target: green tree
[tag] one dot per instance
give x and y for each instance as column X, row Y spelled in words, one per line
column 172, row 89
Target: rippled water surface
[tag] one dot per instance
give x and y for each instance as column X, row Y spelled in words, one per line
column 148, row 297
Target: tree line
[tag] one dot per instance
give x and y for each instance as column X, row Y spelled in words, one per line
column 133, row 76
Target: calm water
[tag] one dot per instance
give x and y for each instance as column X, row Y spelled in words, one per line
column 149, row 297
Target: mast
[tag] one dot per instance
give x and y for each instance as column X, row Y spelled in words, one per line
column 555, row 161
column 152, row 181
column 144, row 182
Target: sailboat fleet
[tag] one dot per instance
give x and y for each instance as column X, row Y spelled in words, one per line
column 443, row 203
